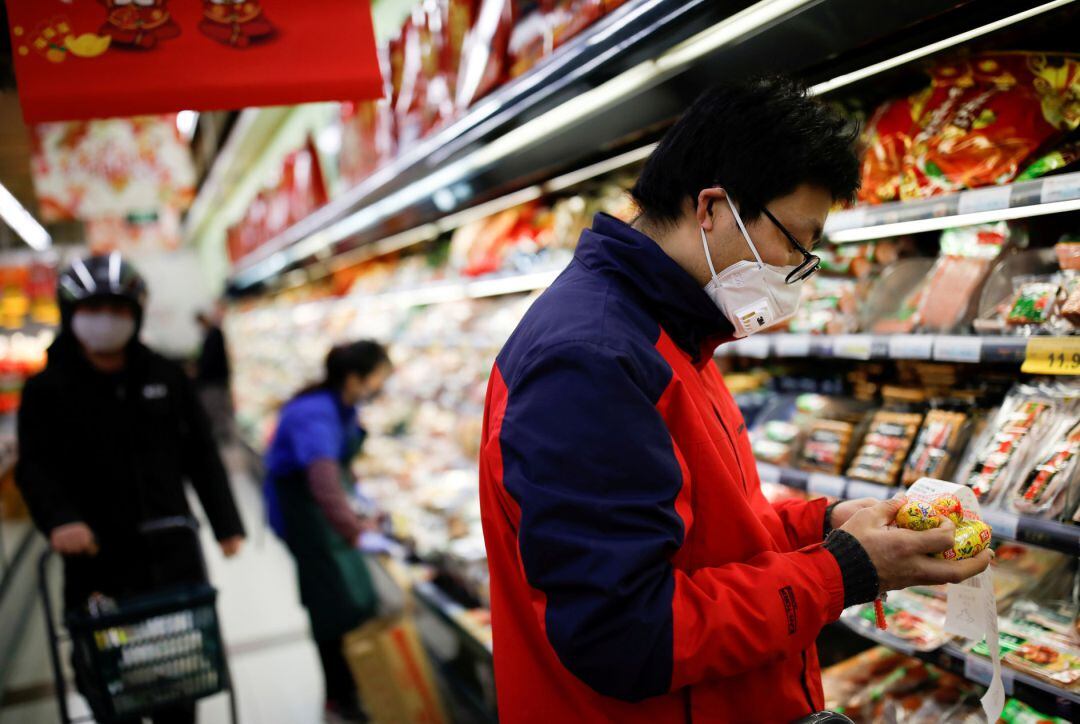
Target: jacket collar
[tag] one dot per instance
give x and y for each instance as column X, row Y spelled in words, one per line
column 614, row 248
column 65, row 354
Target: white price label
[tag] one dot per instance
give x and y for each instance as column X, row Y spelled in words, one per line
column 988, row 199
column 863, row 489
column 753, row 346
column 1003, row 522
column 957, row 349
column 911, row 346
column 853, row 346
column 768, row 473
column 1060, row 188
column 792, row 345
column 849, row 219
column 824, row 484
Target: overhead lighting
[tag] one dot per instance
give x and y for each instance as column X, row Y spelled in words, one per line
column 599, row 169
column 938, row 223
column 871, row 70
column 186, row 123
column 22, row 222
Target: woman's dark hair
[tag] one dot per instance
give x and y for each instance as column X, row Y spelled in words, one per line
column 759, row 140
column 360, row 358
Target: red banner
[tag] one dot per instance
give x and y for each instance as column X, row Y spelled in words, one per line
column 79, row 59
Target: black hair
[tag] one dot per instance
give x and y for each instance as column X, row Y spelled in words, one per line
column 759, row 141
column 360, row 358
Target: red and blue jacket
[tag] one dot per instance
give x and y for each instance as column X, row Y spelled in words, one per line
column 637, row 572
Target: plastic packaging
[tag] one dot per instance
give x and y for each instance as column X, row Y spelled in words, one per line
column 885, row 447
column 1043, row 491
column 967, row 255
column 936, row 446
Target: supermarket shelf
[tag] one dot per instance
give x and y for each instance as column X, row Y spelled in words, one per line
column 1050, row 534
column 951, row 657
column 1052, row 195
column 612, row 88
column 940, row 348
column 449, row 611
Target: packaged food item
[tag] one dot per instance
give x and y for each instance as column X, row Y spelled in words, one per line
column 570, row 17
column 970, row 539
column 885, row 447
column 484, row 54
column 1034, row 303
column 826, row 446
column 1026, row 648
column 775, row 441
column 1000, row 454
column 967, row 255
column 530, row 41
column 1068, row 253
column 1044, row 489
column 1061, row 158
column 917, row 515
column 1017, row 712
column 1070, row 309
column 914, row 619
column 980, row 121
column 828, row 306
column 935, row 446
column 949, row 507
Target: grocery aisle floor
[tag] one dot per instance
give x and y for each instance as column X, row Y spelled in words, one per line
column 275, row 665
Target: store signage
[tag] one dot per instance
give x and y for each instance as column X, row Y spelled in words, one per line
column 80, row 59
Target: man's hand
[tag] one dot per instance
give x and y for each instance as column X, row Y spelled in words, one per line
column 73, row 539
column 902, row 557
column 843, row 511
column 231, row 546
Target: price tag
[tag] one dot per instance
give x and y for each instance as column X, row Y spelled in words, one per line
column 1060, row 188
column 863, row 489
column 853, row 346
column 957, row 349
column 1052, row 356
column 824, row 484
column 792, row 345
column 911, row 346
column 753, row 346
column 849, row 219
column 988, row 199
column 1004, row 523
column 768, row 473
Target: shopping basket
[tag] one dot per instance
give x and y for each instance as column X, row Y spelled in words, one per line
column 150, row 651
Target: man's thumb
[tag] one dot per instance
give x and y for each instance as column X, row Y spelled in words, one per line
column 885, row 512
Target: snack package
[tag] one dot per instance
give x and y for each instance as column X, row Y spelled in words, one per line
column 1029, row 649
column 915, row 621
column 967, row 255
column 1001, row 453
column 828, row 306
column 570, row 17
column 885, row 447
column 1036, row 300
column 1044, row 489
column 484, row 60
column 530, row 41
column 826, row 446
column 1061, row 158
column 1068, row 253
column 981, row 120
column 1017, row 712
column 935, row 446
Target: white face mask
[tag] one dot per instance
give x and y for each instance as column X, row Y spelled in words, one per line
column 102, row 332
column 752, row 295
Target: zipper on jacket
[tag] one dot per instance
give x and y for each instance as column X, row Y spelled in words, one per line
column 806, row 686
column 688, row 713
column 734, row 447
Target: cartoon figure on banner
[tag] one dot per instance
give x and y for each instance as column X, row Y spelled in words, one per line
column 139, row 24
column 236, row 23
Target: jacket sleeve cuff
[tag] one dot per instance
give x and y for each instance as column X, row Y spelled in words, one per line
column 827, row 525
column 860, row 577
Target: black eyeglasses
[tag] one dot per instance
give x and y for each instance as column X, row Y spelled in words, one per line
column 811, row 262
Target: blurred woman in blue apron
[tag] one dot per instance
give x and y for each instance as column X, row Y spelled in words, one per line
column 308, row 492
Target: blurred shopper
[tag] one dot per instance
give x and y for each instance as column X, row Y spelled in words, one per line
column 308, row 492
column 638, row 574
column 212, row 376
column 108, row 433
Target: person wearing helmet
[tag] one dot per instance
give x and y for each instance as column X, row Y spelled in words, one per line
column 108, row 432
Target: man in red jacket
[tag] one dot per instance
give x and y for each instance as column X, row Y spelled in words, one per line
column 637, row 572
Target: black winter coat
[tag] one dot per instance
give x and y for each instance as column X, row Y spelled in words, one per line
column 113, row 451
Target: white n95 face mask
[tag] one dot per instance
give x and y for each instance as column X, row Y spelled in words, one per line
column 102, row 332
column 752, row 295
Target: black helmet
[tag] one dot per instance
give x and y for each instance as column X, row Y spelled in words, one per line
column 105, row 276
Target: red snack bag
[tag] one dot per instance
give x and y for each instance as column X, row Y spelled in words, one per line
column 570, row 17
column 531, row 40
column 981, row 121
column 484, row 62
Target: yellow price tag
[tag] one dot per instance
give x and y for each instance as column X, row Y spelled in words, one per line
column 1052, row 356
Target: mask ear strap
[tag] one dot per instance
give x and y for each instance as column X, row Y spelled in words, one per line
column 742, row 228
column 708, row 256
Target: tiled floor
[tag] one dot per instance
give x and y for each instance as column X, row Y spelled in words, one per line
column 274, row 663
